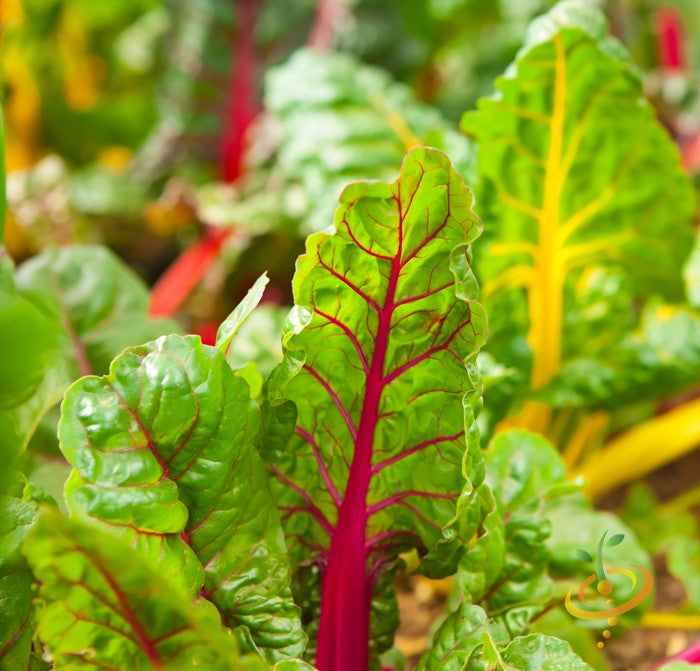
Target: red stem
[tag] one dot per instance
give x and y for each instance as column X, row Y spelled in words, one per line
column 184, row 274
column 669, row 36
column 347, row 587
column 171, row 290
column 241, row 105
column 328, row 16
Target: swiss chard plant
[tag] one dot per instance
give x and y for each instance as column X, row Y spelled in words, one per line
column 238, row 507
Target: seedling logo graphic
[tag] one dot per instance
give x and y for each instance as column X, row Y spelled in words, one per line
column 640, row 586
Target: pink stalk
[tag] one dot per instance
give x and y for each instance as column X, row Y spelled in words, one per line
column 347, row 585
column 669, row 35
column 178, row 281
column 171, row 290
column 690, row 655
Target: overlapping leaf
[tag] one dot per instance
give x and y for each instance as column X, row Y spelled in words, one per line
column 459, row 636
column 107, row 608
column 576, row 174
column 375, row 361
column 342, row 120
column 164, row 457
column 82, row 306
column 534, row 652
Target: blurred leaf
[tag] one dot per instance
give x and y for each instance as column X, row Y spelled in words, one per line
column 99, row 302
column 163, row 456
column 656, row 528
column 342, row 120
column 684, row 564
column 528, row 479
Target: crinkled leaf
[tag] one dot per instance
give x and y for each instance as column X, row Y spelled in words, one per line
column 534, row 652
column 231, row 325
column 458, row 637
column 576, row 174
column 163, row 456
column 107, row 608
column 342, row 120
column 527, row 477
column 381, row 341
column 16, row 519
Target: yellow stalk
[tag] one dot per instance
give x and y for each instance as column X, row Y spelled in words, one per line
column 642, row 449
column 397, row 123
column 682, row 502
column 545, row 305
column 585, row 434
column 670, row 621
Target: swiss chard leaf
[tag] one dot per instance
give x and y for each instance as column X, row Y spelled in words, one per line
column 566, row 148
column 16, row 519
column 164, row 456
column 534, row 652
column 458, row 637
column 107, row 608
column 101, row 305
column 375, row 361
column 343, row 120
column 78, row 308
column 527, row 478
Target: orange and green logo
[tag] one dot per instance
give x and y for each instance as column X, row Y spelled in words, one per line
column 617, row 600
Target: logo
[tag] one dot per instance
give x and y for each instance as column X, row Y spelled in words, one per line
column 608, row 600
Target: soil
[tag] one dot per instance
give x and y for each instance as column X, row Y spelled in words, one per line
column 422, row 602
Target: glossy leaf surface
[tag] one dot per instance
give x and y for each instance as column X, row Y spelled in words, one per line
column 163, row 456
column 458, row 637
column 106, row 608
column 375, row 361
column 534, row 652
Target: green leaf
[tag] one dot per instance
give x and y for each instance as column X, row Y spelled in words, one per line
column 380, row 337
column 78, row 308
column 684, row 563
column 343, row 120
column 657, row 529
column 576, row 174
column 106, row 608
column 231, row 325
column 100, row 303
column 534, row 652
column 458, row 637
column 27, row 388
column 163, row 455
column 527, row 478
column 16, row 519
